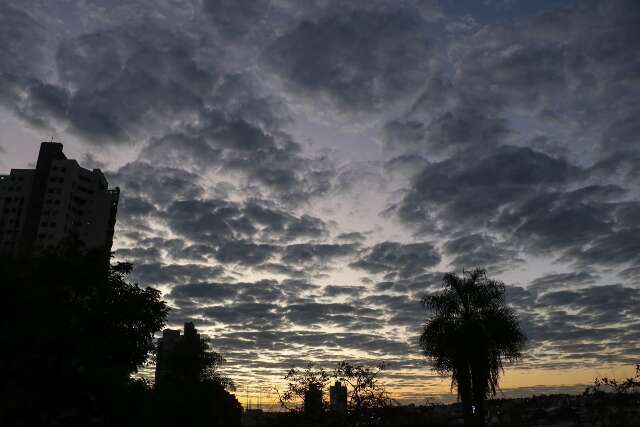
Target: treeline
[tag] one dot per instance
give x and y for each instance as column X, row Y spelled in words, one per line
column 74, row 331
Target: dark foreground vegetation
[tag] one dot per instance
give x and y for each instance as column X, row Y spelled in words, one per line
column 74, row 330
column 606, row 410
column 469, row 335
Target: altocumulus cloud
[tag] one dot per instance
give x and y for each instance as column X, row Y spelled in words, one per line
column 237, row 130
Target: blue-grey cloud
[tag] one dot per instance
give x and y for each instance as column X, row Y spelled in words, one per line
column 503, row 137
column 404, row 259
column 358, row 60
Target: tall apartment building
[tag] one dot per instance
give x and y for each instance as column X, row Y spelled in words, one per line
column 57, row 201
column 178, row 356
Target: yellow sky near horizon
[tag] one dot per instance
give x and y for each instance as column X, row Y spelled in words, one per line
column 514, row 383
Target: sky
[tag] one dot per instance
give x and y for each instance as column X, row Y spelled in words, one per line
column 297, row 175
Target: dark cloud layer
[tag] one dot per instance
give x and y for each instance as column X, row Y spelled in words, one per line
column 461, row 192
column 358, row 60
column 393, row 257
column 502, row 136
column 581, row 324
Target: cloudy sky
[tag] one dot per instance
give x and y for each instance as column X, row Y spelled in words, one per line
column 296, row 175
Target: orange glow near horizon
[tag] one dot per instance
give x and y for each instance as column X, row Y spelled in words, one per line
column 515, row 383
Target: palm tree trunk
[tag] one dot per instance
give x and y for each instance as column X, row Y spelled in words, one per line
column 480, row 414
column 479, row 390
column 464, row 391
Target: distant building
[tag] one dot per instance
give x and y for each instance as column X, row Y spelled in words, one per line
column 178, row 356
column 57, row 201
column 338, row 398
column 313, row 401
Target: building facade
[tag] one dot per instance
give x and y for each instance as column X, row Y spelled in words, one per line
column 57, row 201
column 338, row 398
column 178, row 356
column 312, row 405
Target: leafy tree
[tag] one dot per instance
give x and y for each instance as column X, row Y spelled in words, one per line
column 74, row 329
column 193, row 362
column 628, row 385
column 470, row 333
column 365, row 392
column 365, row 389
column 300, row 383
column 615, row 400
column 193, row 392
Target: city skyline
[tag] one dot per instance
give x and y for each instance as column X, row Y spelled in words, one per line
column 295, row 177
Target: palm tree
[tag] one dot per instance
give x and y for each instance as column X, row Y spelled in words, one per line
column 470, row 333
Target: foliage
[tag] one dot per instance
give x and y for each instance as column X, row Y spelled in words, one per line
column 628, row 385
column 299, row 383
column 364, row 389
column 211, row 362
column 366, row 395
column 194, row 362
column 74, row 330
column 192, row 391
column 204, row 403
column 469, row 335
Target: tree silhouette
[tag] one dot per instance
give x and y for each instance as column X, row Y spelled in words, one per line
column 193, row 362
column 366, row 394
column 470, row 333
column 302, row 383
column 604, row 384
column 193, row 392
column 74, row 329
column 615, row 399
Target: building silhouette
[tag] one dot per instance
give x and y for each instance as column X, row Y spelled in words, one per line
column 57, row 201
column 312, row 405
column 178, row 356
column 338, row 398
